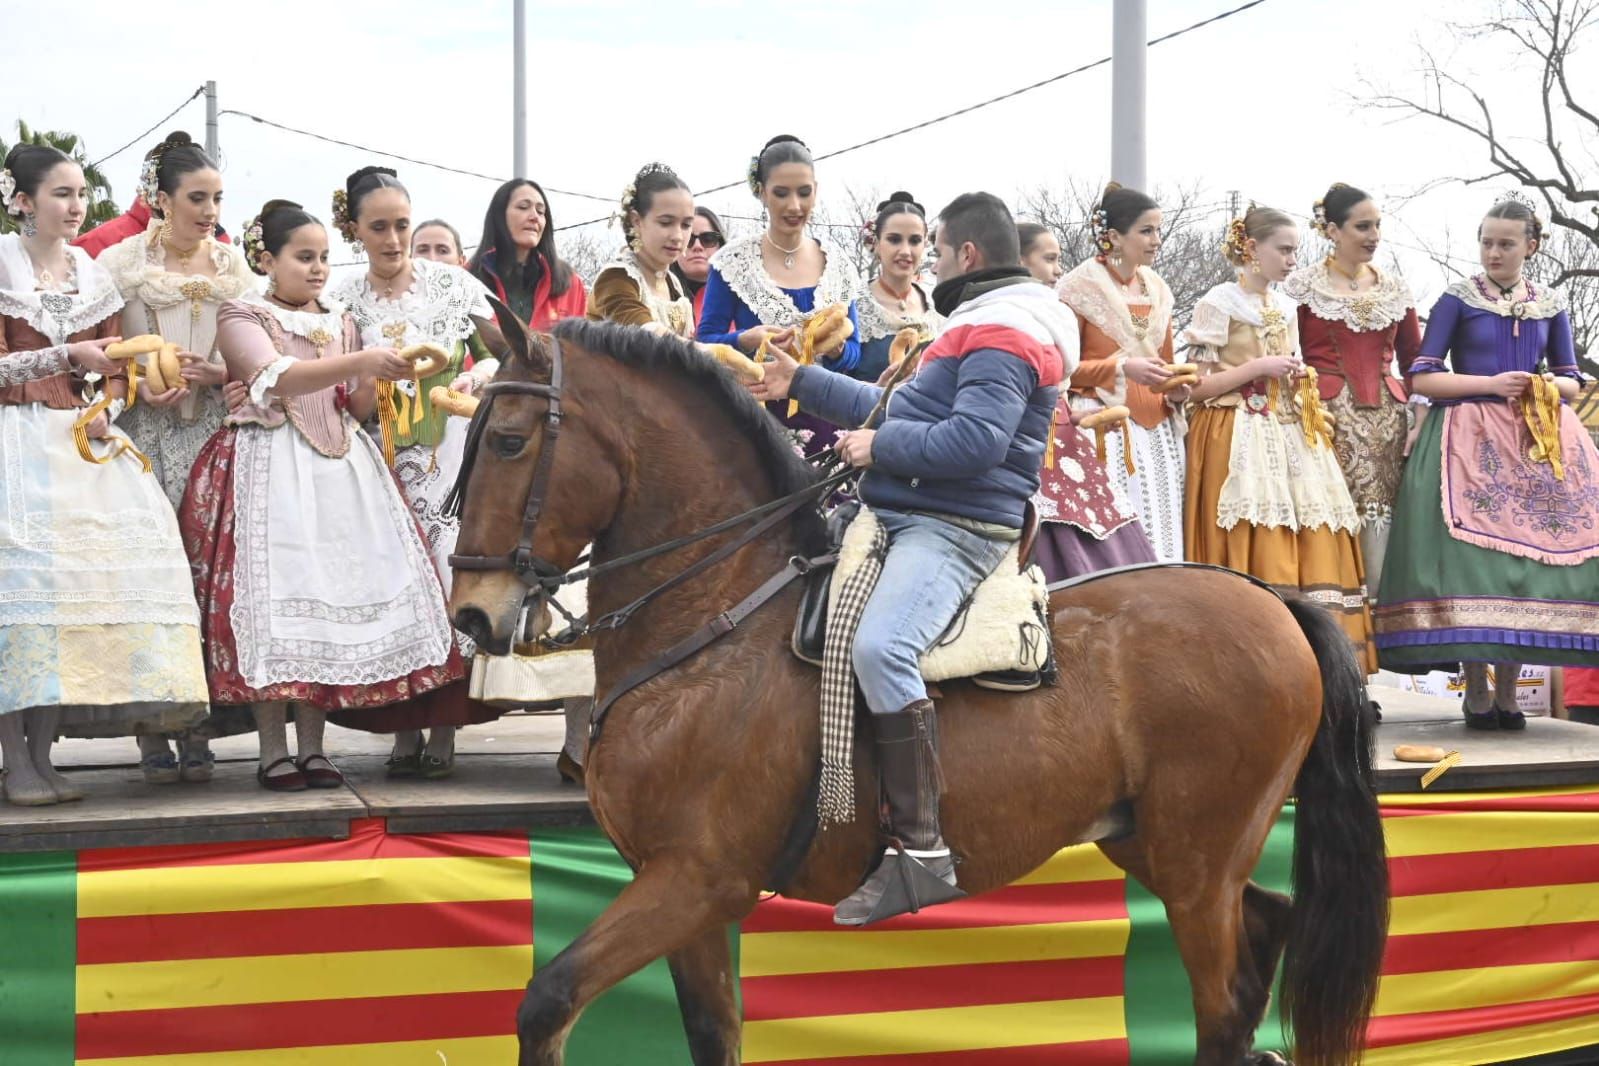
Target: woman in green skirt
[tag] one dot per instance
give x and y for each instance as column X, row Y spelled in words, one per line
column 1494, row 556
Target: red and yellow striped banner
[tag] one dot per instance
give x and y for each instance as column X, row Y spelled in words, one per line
column 414, row 949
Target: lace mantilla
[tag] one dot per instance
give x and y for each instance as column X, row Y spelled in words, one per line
column 137, row 266
column 676, row 314
column 1377, row 308
column 878, row 321
column 1549, row 303
column 19, row 368
column 311, row 325
column 1090, row 291
column 741, row 267
column 438, row 308
column 58, row 315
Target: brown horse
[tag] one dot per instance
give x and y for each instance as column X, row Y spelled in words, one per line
column 1193, row 701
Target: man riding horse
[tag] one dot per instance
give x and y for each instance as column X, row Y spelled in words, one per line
column 951, row 468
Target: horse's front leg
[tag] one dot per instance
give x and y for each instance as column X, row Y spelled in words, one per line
column 702, row 971
column 671, row 908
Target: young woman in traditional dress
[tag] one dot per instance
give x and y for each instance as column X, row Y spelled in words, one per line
column 894, row 299
column 517, row 261
column 1085, row 524
column 1265, row 493
column 1353, row 320
column 314, row 579
column 173, row 278
column 402, row 301
column 99, row 634
column 1125, row 312
column 1041, row 253
column 439, row 241
column 768, row 286
column 693, row 266
column 638, row 287
column 1494, row 555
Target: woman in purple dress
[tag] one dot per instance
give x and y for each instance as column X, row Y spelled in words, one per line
column 1494, row 555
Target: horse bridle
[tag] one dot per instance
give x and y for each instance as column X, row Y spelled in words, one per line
column 542, row 577
column 533, row 570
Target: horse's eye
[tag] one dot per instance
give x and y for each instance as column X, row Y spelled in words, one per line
column 508, row 446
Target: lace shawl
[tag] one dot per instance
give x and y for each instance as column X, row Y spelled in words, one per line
column 740, row 265
column 57, row 315
column 1377, row 308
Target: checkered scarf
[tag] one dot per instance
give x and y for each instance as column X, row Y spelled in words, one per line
column 836, row 800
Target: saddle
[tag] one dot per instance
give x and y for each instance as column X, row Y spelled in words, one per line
column 999, row 639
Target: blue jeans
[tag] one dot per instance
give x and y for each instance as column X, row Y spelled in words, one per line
column 931, row 568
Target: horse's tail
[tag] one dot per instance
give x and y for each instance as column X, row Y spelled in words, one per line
column 1339, row 922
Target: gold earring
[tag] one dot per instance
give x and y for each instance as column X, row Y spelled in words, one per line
column 165, row 233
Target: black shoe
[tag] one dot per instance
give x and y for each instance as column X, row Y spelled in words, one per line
column 1481, row 719
column 1376, row 710
column 1511, row 720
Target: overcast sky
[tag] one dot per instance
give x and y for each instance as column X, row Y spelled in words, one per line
column 1261, row 102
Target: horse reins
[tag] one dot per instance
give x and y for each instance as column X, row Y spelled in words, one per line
column 541, row 576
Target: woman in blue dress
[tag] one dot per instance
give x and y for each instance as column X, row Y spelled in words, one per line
column 769, row 286
column 1494, row 554
column 894, row 299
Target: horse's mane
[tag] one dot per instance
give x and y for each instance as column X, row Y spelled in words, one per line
column 654, row 353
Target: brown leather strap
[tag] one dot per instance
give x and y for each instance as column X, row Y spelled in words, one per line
column 707, row 634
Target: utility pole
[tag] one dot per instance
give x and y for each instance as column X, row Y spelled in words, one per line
column 1129, row 37
column 211, row 121
column 519, row 90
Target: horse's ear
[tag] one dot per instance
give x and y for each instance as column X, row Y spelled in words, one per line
column 513, row 329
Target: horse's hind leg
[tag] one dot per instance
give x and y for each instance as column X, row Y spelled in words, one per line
column 702, row 971
column 1229, row 931
column 666, row 908
column 1265, row 931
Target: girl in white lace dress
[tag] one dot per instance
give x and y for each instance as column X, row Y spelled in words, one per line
column 99, row 635
column 397, row 302
column 173, row 277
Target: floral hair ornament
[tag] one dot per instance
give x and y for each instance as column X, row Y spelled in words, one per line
column 8, row 192
column 753, row 176
column 341, row 216
column 624, row 205
column 869, row 233
column 1234, row 243
column 1099, row 222
column 150, row 179
column 254, row 243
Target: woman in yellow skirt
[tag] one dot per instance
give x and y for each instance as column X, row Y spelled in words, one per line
column 1265, row 494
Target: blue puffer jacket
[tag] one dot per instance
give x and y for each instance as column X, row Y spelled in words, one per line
column 966, row 435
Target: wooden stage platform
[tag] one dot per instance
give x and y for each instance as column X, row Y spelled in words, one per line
column 505, row 779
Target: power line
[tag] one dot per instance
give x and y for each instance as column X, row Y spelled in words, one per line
column 155, row 126
column 974, row 107
column 403, row 158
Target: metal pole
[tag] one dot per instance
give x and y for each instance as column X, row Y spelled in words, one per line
column 1127, row 87
column 211, row 120
column 519, row 90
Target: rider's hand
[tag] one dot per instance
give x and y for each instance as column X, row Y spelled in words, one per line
column 780, row 367
column 855, row 445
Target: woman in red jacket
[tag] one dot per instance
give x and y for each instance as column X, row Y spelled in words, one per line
column 516, row 258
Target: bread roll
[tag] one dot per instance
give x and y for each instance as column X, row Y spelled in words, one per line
column 143, row 344
column 1104, row 417
column 745, row 369
column 459, row 404
column 430, row 359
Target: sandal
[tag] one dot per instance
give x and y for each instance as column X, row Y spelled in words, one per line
column 196, row 766
column 160, row 768
column 406, row 765
column 329, row 778
column 434, row 768
column 290, row 782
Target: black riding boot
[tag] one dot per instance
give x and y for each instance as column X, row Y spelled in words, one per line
column 917, row 869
